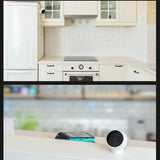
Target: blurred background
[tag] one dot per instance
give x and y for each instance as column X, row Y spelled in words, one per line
column 87, row 108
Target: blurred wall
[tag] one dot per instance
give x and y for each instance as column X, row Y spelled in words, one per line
column 93, row 116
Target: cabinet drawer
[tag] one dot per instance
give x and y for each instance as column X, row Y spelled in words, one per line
column 50, row 76
column 50, row 67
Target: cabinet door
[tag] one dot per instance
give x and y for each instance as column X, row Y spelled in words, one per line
column 112, row 72
column 128, row 10
column 144, row 76
column 20, row 75
column 80, row 7
column 20, row 35
column 129, row 74
column 149, row 77
column 135, row 74
column 108, row 12
column 50, row 76
column 53, row 13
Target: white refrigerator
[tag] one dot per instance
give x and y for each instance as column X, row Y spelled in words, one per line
column 23, row 41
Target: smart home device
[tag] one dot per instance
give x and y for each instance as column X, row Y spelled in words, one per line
column 116, row 141
column 42, row 11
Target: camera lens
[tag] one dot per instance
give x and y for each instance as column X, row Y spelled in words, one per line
column 114, row 138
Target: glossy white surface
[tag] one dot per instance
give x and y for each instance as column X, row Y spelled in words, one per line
column 20, row 75
column 20, row 32
column 40, row 148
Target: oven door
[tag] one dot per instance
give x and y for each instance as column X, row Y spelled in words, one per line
column 80, row 76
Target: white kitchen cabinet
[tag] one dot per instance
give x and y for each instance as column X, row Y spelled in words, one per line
column 20, row 75
column 132, row 73
column 50, row 76
column 53, row 15
column 74, row 8
column 20, row 36
column 50, row 67
column 136, row 74
column 50, row 72
column 117, row 13
column 112, row 72
column 148, row 77
column 128, row 12
column 23, row 40
column 108, row 12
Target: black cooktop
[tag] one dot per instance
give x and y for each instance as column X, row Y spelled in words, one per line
column 80, row 58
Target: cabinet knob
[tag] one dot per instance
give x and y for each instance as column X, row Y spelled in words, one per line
column 81, row 67
column 136, row 72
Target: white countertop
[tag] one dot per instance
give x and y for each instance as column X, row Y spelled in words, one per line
column 104, row 60
column 39, row 145
column 146, row 144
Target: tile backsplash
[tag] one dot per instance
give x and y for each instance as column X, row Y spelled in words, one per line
column 82, row 37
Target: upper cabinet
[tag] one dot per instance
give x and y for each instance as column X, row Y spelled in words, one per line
column 53, row 15
column 107, row 13
column 117, row 13
column 80, row 8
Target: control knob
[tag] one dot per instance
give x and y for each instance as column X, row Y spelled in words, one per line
column 81, row 67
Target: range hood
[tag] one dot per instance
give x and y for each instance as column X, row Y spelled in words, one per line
column 80, row 9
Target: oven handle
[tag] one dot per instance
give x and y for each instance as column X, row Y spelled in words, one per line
column 69, row 74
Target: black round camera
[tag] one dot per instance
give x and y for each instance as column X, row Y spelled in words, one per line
column 114, row 138
column 42, row 11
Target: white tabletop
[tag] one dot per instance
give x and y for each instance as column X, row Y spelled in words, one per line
column 39, row 145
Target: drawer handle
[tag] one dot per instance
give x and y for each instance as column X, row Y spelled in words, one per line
column 50, row 65
column 118, row 65
column 50, row 73
column 136, row 72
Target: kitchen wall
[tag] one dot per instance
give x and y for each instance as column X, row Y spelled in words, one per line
column 151, row 58
column 80, row 37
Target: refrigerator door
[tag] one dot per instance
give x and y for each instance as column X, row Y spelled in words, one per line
column 20, row 36
column 20, row 75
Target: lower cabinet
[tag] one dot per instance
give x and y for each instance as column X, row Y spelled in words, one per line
column 112, row 72
column 135, row 74
column 20, row 75
column 50, row 76
column 148, row 77
column 50, row 72
column 132, row 74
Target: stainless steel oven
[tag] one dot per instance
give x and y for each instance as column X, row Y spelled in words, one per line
column 80, row 76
